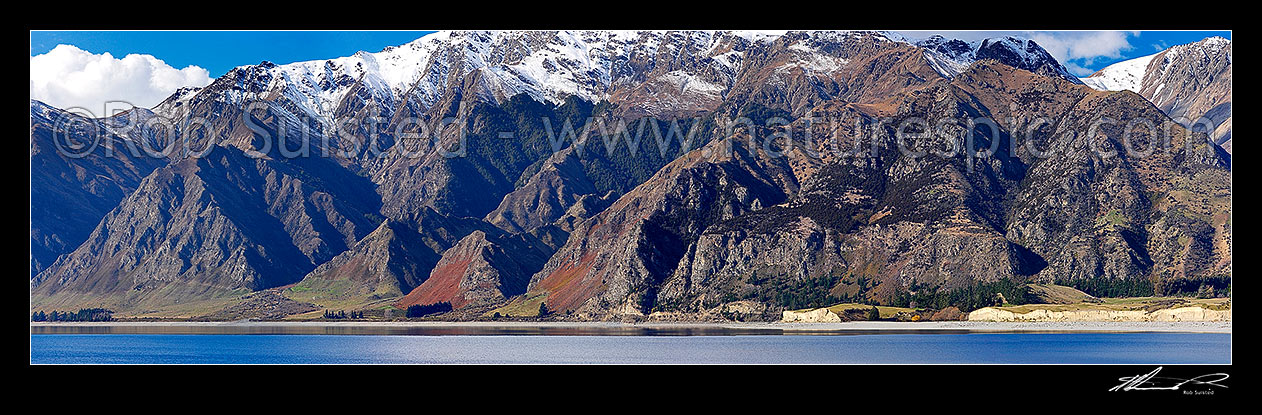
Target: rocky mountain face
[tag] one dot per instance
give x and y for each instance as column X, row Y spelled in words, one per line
column 75, row 181
column 210, row 226
column 1143, row 225
column 1187, row 82
column 597, row 172
column 868, row 226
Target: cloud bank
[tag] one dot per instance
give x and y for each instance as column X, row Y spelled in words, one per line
column 1080, row 49
column 68, row 77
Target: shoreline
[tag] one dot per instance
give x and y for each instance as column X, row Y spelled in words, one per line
column 616, row 328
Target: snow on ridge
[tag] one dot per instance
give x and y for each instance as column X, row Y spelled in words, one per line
column 1124, row 75
column 540, row 72
column 548, row 65
column 759, row 36
column 1216, row 41
column 812, row 61
column 949, row 57
column 581, row 63
column 1129, row 74
column 944, row 65
column 1207, row 46
column 687, row 82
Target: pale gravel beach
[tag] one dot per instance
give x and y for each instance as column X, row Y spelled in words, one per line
column 856, row 327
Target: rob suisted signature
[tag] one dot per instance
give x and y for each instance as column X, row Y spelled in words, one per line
column 1152, row 382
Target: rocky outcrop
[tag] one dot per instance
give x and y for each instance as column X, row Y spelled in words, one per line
column 485, row 267
column 1039, row 315
column 1190, row 314
column 546, row 196
column 388, row 262
column 819, row 315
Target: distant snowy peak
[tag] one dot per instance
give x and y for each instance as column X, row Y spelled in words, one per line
column 952, row 56
column 1190, row 82
column 552, row 65
column 1124, row 75
column 1136, row 74
column 1208, row 49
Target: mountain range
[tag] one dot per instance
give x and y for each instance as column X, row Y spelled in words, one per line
column 458, row 169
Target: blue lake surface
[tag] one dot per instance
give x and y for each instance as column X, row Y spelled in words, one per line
column 979, row 348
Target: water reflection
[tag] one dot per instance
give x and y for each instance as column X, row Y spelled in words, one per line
column 407, row 330
column 611, row 347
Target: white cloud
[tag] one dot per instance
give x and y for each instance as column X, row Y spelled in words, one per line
column 1083, row 46
column 1078, row 70
column 71, row 77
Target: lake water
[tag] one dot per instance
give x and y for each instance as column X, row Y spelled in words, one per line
column 972, row 348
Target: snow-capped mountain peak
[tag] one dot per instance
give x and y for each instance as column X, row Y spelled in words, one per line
column 552, row 65
column 952, row 56
column 1191, row 82
column 547, row 65
column 1131, row 74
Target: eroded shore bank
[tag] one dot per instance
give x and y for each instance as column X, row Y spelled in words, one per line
column 615, row 328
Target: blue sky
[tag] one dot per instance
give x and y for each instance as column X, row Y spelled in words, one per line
column 143, row 67
column 220, row 51
column 1159, row 41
